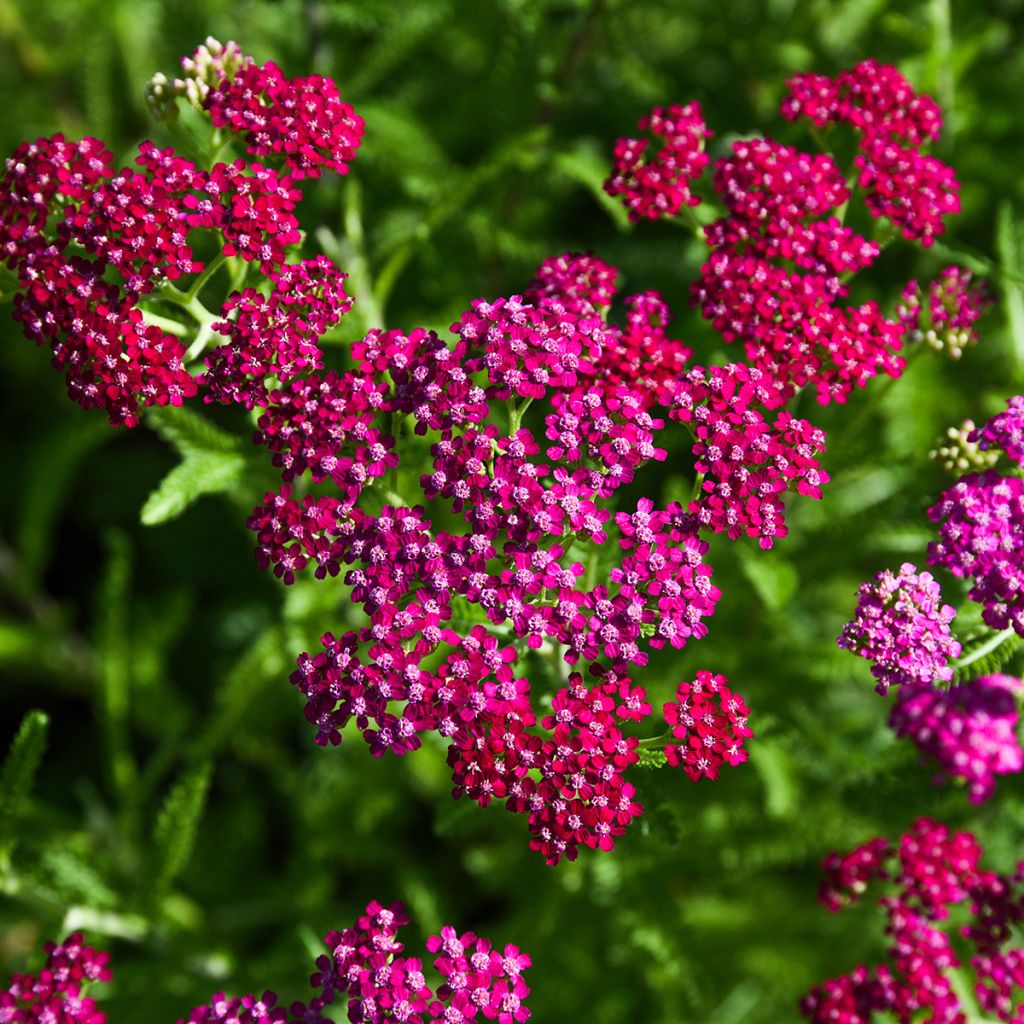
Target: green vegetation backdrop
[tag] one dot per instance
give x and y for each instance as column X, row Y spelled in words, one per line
column 159, row 650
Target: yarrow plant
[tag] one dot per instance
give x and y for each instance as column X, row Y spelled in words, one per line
column 364, row 968
column 901, row 625
column 929, row 879
column 470, row 491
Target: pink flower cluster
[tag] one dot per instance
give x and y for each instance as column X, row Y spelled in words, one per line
column 1004, row 432
column 364, row 964
column 930, row 873
column 981, row 539
column 658, row 184
column 747, row 460
column 902, row 626
column 710, row 723
column 55, row 994
column 302, row 120
column 947, row 323
column 914, row 191
column 970, row 730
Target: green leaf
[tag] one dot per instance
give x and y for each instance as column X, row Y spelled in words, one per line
column 774, row 764
column 174, row 834
column 774, row 578
column 22, row 762
column 1009, row 250
column 209, row 472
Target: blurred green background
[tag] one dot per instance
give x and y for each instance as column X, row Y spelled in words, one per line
column 156, row 651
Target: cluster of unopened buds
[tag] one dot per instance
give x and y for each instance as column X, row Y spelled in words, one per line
column 468, row 490
column 930, row 878
column 904, row 629
column 364, row 968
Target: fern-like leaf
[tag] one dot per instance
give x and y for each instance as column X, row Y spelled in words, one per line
column 174, row 834
column 22, row 762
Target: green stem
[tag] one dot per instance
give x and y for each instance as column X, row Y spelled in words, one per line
column 698, row 484
column 390, row 496
column 201, row 281
column 655, row 741
column 515, row 414
column 166, row 324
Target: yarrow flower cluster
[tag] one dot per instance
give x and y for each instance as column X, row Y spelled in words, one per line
column 929, row 873
column 363, row 967
column 56, row 995
column 915, row 192
column 970, row 730
column 98, row 255
column 955, row 303
column 655, row 181
column 902, row 626
column 710, row 723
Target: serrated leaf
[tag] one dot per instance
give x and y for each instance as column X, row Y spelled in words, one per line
column 189, row 432
column 22, row 762
column 209, row 472
column 174, row 834
column 986, row 655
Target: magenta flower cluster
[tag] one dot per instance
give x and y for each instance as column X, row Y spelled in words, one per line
column 969, row 730
column 363, row 967
column 981, row 527
column 931, row 874
column 56, row 995
column 656, row 181
column 902, row 626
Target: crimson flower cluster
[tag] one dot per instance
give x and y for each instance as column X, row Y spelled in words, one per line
column 710, row 723
column 902, row 626
column 915, row 192
column 95, row 252
column 56, row 994
column 658, row 184
column 928, row 874
column 302, row 120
